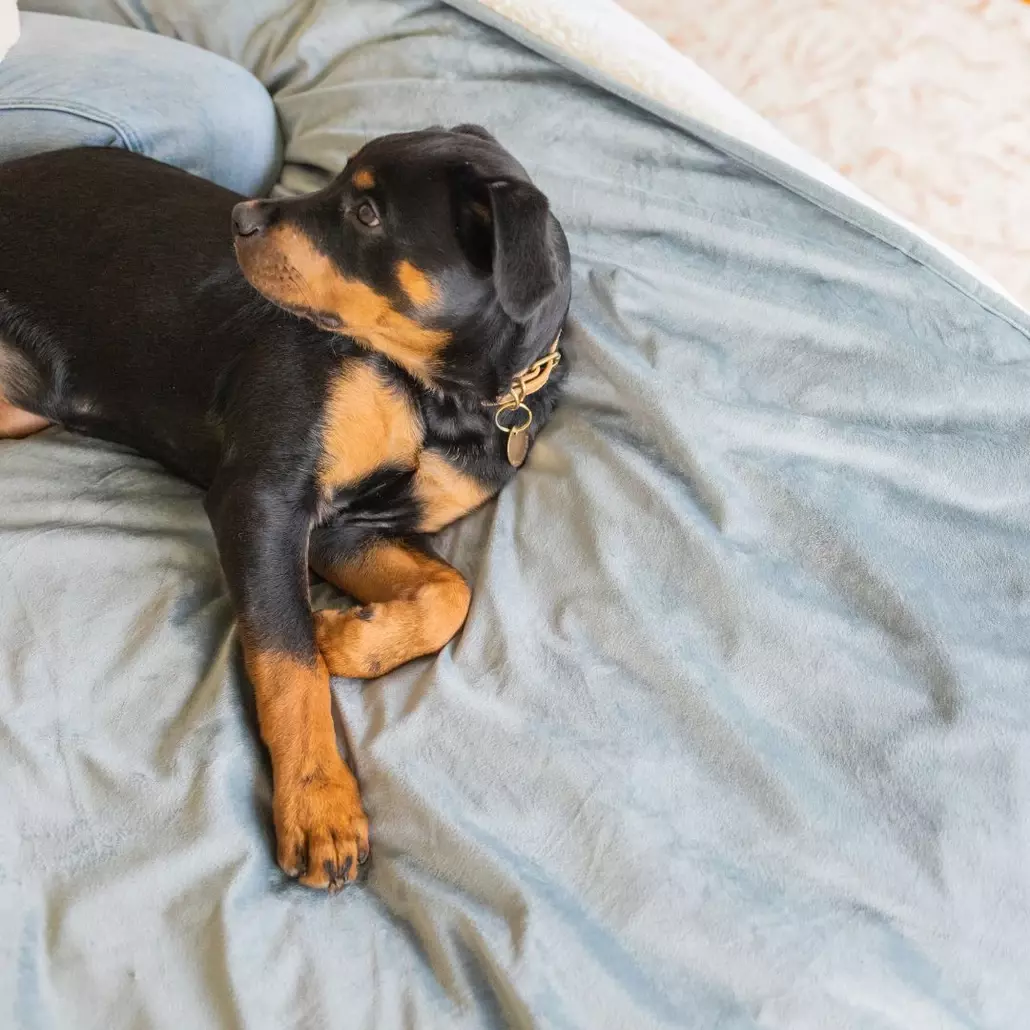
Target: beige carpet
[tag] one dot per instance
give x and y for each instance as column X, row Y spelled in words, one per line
column 924, row 105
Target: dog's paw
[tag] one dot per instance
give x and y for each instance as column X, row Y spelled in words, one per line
column 321, row 828
column 348, row 641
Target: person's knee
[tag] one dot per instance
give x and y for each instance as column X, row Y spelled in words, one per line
column 69, row 82
column 231, row 129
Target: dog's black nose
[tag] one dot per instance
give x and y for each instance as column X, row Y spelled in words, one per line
column 249, row 218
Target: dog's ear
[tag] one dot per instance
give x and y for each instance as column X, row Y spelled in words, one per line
column 506, row 226
column 524, row 266
column 475, row 130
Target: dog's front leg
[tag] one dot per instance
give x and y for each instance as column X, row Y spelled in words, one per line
column 413, row 603
column 262, row 537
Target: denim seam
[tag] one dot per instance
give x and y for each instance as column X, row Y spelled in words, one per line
column 128, row 137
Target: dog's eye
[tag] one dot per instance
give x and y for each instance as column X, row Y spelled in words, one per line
column 367, row 214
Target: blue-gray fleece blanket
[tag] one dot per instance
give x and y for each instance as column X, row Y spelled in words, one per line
column 738, row 732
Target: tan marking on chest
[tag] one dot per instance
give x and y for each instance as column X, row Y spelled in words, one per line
column 417, row 286
column 445, row 493
column 368, row 423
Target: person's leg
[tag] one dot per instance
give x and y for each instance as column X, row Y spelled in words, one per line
column 70, row 82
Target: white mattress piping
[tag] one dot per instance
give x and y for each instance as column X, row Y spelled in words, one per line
column 608, row 39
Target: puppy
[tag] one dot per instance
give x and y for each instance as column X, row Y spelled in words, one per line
column 371, row 364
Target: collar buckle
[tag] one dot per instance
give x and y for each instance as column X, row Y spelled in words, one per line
column 529, row 381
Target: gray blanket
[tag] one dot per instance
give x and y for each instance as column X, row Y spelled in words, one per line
column 738, row 732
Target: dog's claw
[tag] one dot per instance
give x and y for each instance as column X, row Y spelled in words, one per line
column 322, row 828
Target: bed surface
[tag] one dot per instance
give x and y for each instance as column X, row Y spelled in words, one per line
column 738, row 731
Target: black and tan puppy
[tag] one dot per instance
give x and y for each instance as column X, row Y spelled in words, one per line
column 345, row 383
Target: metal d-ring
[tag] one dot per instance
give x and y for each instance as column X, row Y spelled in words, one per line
column 515, row 428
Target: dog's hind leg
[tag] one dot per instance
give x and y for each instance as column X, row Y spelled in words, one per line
column 17, row 376
column 412, row 604
column 16, row 424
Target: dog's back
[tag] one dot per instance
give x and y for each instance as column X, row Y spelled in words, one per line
column 143, row 309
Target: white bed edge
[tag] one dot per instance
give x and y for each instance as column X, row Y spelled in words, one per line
column 610, row 40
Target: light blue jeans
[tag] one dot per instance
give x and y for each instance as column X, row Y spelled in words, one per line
column 69, row 82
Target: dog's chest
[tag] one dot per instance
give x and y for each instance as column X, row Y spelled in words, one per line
column 369, row 424
column 372, row 425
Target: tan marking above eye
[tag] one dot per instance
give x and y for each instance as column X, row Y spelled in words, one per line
column 363, row 179
column 481, row 211
column 368, row 423
column 417, row 286
column 289, row 270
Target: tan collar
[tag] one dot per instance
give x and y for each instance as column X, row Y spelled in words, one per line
column 534, row 378
column 529, row 381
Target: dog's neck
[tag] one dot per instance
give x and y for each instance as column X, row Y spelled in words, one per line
column 532, row 378
column 490, row 351
column 512, row 415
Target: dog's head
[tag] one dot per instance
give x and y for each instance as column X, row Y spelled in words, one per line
column 432, row 247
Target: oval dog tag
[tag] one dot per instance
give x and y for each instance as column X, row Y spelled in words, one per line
column 518, row 447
